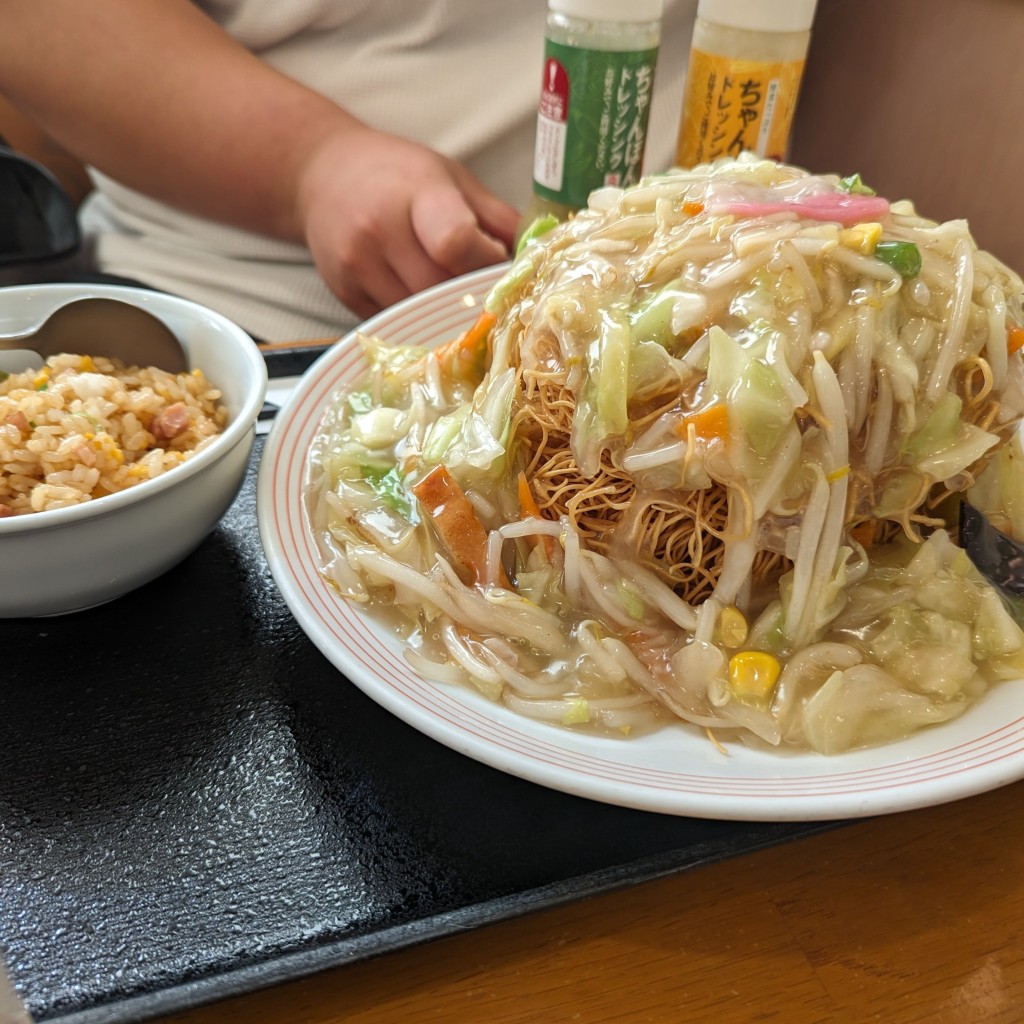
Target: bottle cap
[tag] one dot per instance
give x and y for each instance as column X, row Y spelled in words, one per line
column 759, row 15
column 609, row 10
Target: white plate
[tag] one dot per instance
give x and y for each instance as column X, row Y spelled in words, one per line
column 676, row 770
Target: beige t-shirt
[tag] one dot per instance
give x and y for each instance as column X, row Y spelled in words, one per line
column 460, row 76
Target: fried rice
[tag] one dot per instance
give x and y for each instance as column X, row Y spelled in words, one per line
column 81, row 427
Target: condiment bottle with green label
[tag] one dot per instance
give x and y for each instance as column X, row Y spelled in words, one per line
column 746, row 63
column 595, row 101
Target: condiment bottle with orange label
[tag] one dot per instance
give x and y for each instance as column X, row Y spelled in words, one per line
column 746, row 63
column 596, row 89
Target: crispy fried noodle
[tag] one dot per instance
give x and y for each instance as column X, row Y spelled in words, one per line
column 700, row 458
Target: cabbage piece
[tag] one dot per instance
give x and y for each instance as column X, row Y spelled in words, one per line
column 940, row 578
column 365, row 445
column 541, row 586
column 760, row 304
column 649, row 365
column 473, row 439
column 927, row 652
column 996, row 634
column 390, row 362
column 601, row 410
column 944, row 445
column 900, row 492
column 367, row 429
column 726, row 361
column 668, row 313
column 379, row 428
column 865, row 705
column 760, row 408
column 946, row 635
column 767, row 633
column 539, row 227
column 345, row 459
column 390, row 488
column 510, row 282
column 999, row 490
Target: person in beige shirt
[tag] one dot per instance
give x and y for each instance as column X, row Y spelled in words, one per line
column 301, row 164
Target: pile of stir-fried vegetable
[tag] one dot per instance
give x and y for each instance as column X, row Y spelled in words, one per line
column 700, row 457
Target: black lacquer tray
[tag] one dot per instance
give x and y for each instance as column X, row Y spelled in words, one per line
column 194, row 803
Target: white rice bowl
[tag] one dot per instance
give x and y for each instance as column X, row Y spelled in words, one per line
column 91, row 538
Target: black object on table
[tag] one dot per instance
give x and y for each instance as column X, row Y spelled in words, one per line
column 194, row 803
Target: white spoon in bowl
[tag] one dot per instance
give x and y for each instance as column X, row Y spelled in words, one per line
column 100, row 327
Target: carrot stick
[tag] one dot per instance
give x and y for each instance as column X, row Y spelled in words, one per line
column 529, row 507
column 526, row 500
column 465, row 357
column 1014, row 339
column 457, row 524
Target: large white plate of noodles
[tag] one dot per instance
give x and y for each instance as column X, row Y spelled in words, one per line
column 676, row 768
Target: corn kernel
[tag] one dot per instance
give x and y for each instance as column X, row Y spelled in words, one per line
column 577, row 713
column 862, row 237
column 753, row 674
column 731, row 628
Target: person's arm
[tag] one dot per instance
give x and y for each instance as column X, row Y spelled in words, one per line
column 25, row 137
column 154, row 94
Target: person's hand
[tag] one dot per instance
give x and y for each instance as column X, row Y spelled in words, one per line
column 385, row 217
column 382, row 216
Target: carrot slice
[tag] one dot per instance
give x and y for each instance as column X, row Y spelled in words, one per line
column 864, row 533
column 710, row 424
column 457, row 524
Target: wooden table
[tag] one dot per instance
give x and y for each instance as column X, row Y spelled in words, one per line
column 913, row 917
